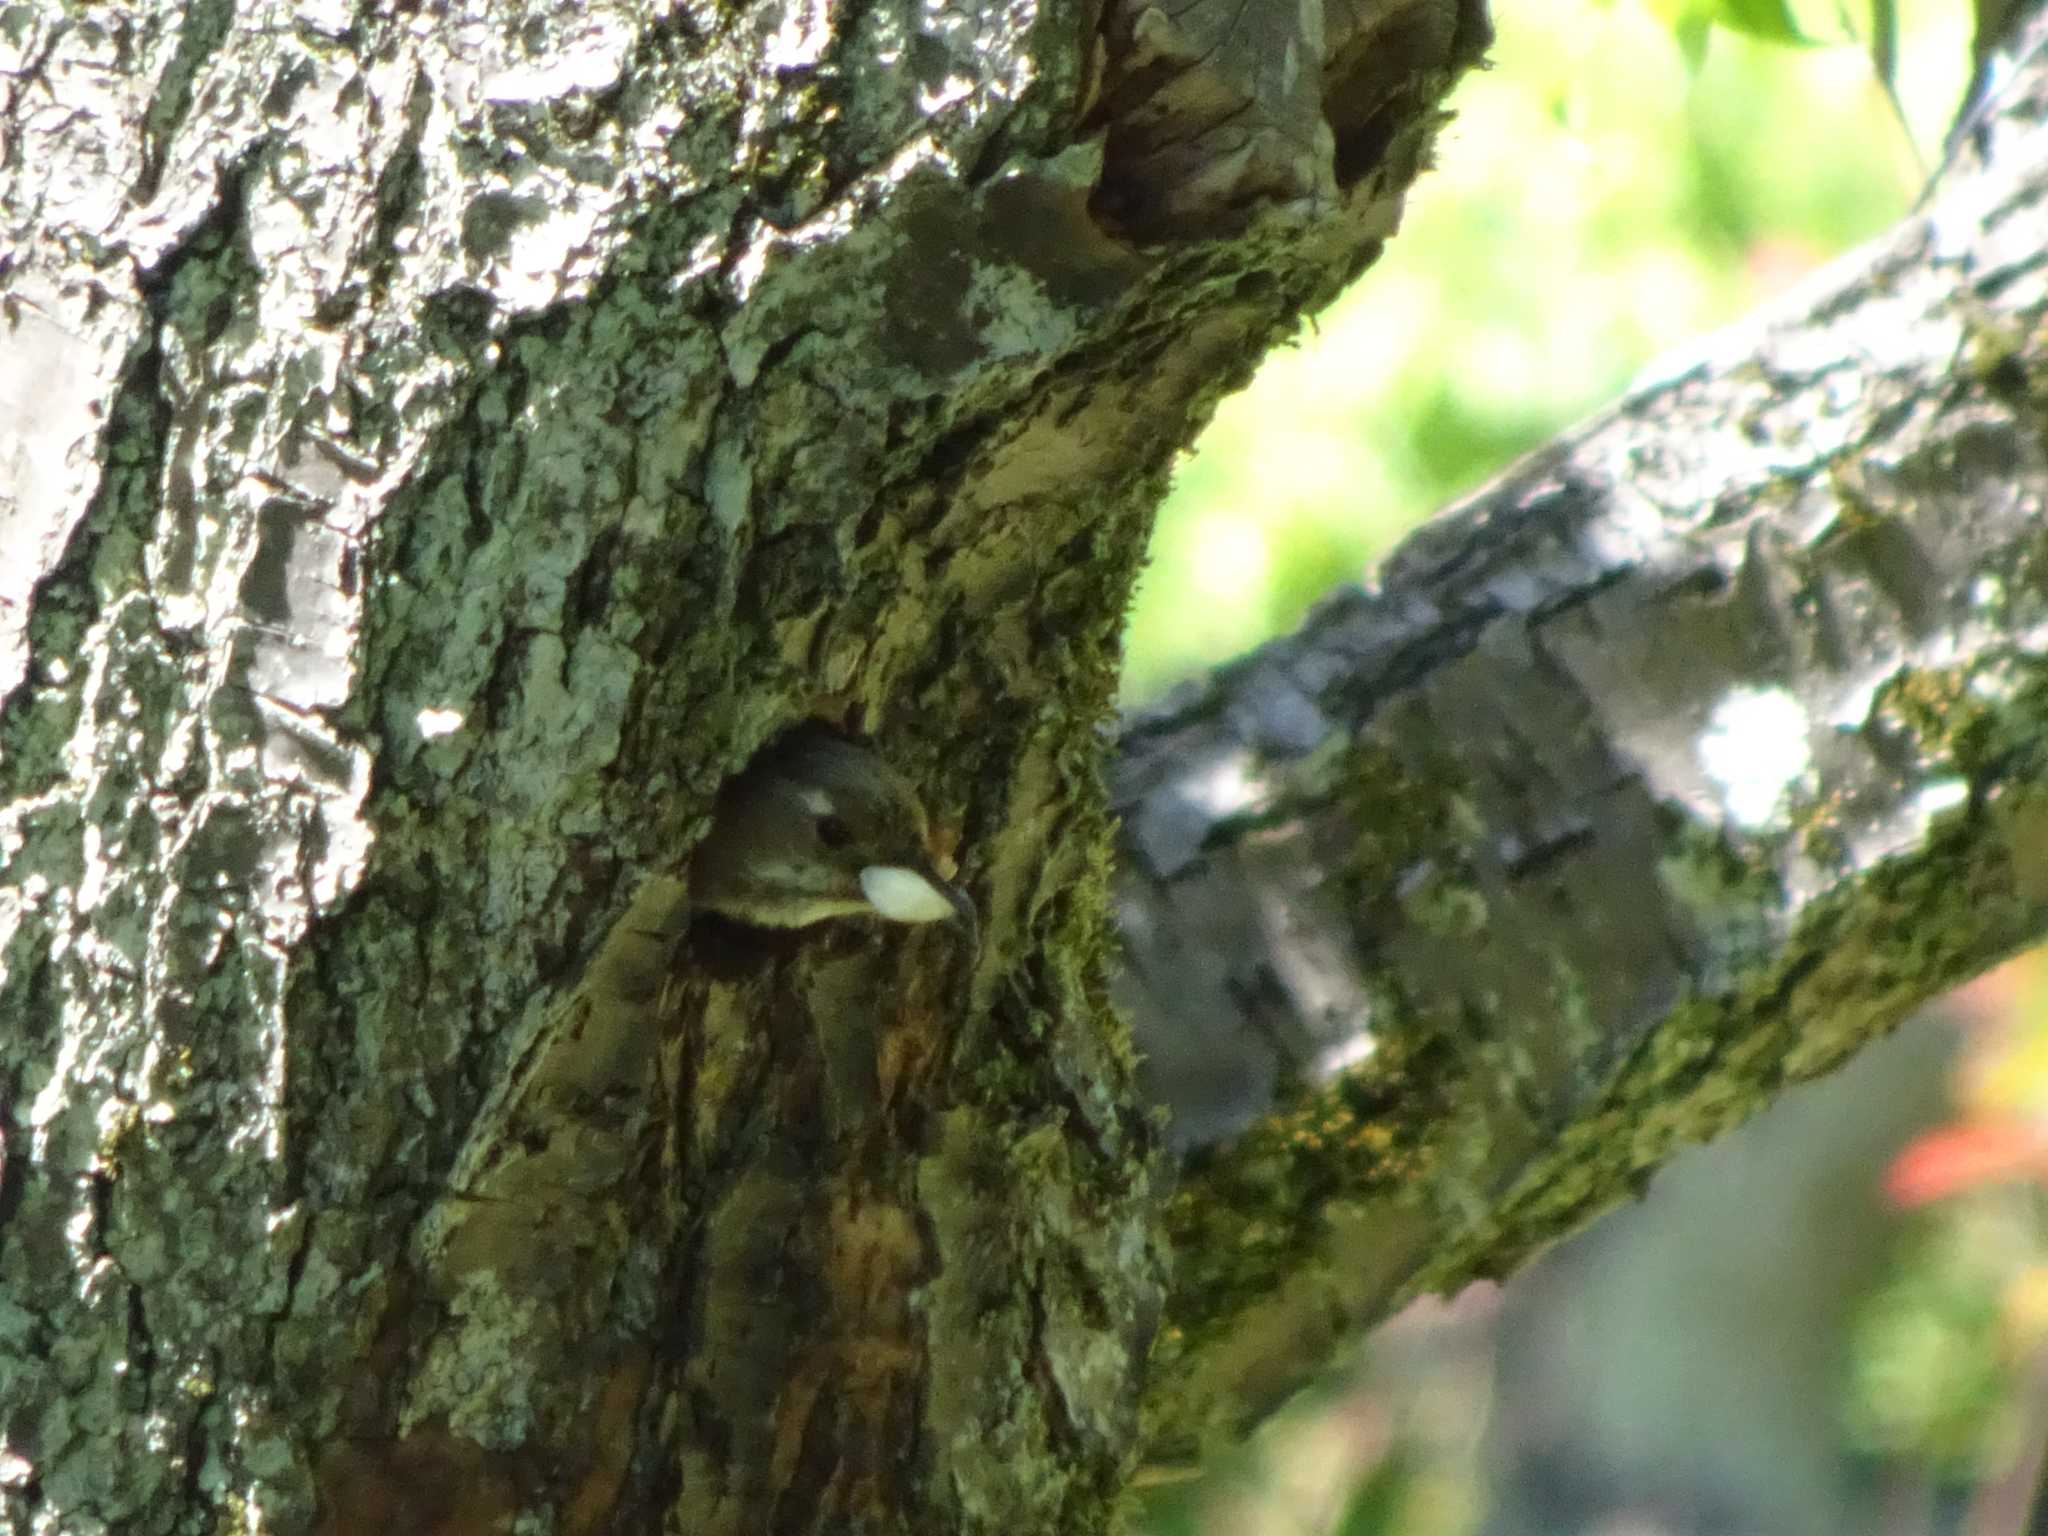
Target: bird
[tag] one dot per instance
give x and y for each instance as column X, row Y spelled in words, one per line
column 819, row 825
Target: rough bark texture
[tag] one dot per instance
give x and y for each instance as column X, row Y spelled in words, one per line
column 1666, row 771
column 436, row 447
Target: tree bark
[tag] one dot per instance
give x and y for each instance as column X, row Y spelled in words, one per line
column 1665, row 772
column 445, row 444
column 449, row 444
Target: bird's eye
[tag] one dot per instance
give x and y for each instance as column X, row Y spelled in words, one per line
column 833, row 832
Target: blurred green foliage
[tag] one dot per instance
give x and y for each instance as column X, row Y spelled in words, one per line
column 1930, row 1373
column 1947, row 1359
column 1597, row 200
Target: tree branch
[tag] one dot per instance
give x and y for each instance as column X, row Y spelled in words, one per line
column 1667, row 770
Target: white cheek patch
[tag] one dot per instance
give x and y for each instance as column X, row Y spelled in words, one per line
column 903, row 895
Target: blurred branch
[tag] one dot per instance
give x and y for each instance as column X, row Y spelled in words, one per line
column 1664, row 772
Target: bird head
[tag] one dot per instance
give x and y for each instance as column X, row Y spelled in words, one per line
column 818, row 826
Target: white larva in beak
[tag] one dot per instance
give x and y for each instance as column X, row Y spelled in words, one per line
column 904, row 896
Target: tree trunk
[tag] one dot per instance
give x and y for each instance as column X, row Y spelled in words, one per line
column 448, row 445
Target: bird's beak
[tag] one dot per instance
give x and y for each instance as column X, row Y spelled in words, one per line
column 906, row 895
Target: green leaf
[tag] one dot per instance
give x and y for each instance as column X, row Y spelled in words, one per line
column 1884, row 46
column 1770, row 20
column 1884, row 64
column 1994, row 20
column 1691, row 29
